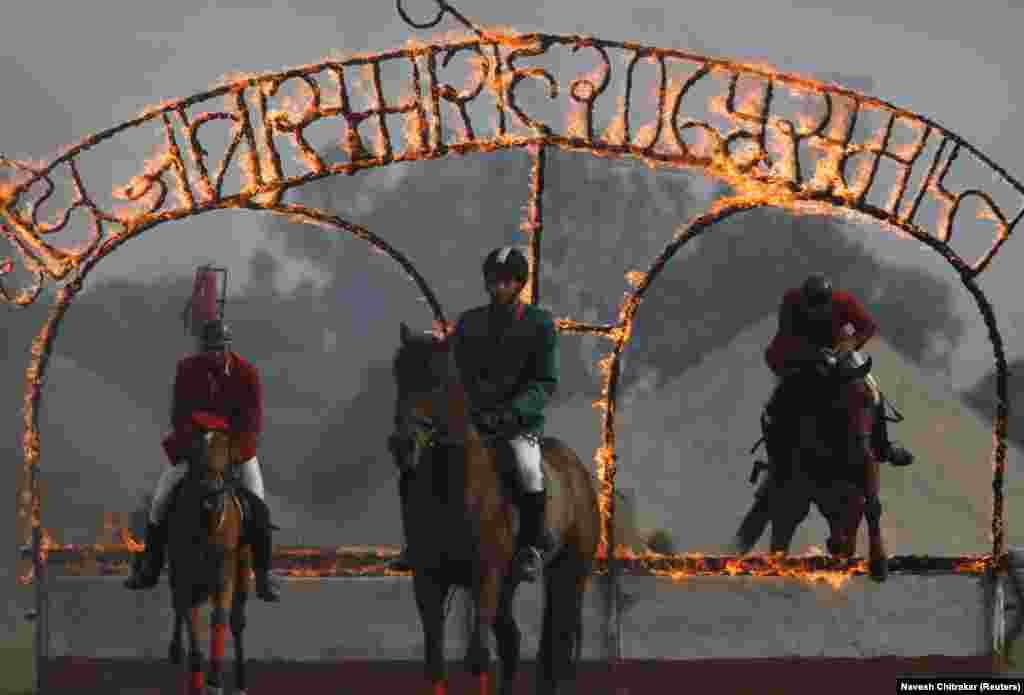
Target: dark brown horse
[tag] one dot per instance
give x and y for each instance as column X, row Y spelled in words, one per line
column 813, row 459
column 461, row 522
column 208, row 561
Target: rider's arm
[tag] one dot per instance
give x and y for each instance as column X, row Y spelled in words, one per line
column 857, row 318
column 250, row 423
column 180, row 397
column 532, row 400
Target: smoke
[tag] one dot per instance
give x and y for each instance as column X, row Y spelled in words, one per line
column 982, row 397
column 324, row 345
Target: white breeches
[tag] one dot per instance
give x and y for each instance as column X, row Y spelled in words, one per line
column 248, row 472
column 528, row 458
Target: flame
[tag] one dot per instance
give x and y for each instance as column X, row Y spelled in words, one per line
column 347, row 561
column 976, row 565
column 636, row 278
column 780, row 188
column 615, row 132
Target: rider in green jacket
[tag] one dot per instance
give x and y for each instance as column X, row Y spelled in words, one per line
column 507, row 356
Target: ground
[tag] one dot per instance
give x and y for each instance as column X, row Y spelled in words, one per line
column 761, row 676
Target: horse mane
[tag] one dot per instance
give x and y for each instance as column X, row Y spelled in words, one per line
column 415, row 365
column 219, row 451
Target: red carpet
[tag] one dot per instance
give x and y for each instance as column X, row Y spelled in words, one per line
column 719, row 676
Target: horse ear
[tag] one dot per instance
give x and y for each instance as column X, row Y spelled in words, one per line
column 404, row 333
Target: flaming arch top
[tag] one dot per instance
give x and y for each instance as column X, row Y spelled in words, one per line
column 806, row 161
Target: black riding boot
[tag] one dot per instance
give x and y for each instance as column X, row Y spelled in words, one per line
column 887, row 451
column 266, row 588
column 258, row 536
column 532, row 541
column 148, row 565
column 401, row 563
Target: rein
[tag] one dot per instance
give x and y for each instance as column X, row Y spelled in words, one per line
column 211, row 488
column 431, row 434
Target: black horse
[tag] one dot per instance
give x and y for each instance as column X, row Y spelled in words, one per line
column 210, row 561
column 813, row 458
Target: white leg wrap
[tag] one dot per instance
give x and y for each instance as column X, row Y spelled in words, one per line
column 249, row 472
column 170, row 477
column 528, row 459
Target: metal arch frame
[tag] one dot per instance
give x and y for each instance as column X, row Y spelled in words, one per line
column 771, row 176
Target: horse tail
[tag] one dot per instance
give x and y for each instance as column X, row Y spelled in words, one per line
column 447, row 600
column 578, row 633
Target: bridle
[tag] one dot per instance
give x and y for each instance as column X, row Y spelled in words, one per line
column 220, row 485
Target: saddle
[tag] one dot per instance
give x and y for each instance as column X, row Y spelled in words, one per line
column 508, row 472
column 213, row 495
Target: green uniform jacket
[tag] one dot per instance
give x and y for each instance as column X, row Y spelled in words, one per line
column 508, row 361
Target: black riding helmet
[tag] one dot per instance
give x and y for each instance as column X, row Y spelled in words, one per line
column 816, row 290
column 508, row 260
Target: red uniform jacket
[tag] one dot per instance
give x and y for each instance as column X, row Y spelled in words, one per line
column 201, row 384
column 849, row 317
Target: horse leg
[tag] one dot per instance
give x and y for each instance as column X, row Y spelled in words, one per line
column 791, row 509
column 221, row 606
column 430, row 596
column 508, row 637
column 754, row 523
column 877, row 562
column 174, row 653
column 478, row 656
column 843, row 507
column 862, row 416
column 237, row 628
column 194, row 683
column 562, row 629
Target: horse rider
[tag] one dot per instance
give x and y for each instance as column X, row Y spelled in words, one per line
column 816, row 323
column 507, row 356
column 219, row 381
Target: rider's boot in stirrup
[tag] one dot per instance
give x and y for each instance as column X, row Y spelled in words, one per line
column 266, row 587
column 533, row 540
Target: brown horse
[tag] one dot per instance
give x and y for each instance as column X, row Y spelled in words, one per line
column 461, row 523
column 811, row 458
column 208, row 562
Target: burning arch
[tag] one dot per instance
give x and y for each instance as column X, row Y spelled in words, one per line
column 802, row 163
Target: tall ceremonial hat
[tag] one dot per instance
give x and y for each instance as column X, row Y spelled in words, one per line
column 209, row 294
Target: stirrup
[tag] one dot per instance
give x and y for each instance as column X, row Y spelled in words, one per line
column 898, row 456
column 529, row 563
column 266, row 588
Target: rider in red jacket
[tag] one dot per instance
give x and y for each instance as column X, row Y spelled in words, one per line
column 219, row 382
column 814, row 320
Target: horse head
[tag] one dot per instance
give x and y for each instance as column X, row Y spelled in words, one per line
column 422, row 369
column 216, row 449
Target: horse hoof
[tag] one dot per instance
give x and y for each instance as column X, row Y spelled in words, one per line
column 174, row 655
column 213, row 690
column 879, row 568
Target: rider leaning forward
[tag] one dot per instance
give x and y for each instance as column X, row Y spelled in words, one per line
column 816, row 322
column 221, row 382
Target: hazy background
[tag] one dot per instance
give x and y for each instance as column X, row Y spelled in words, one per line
column 319, row 315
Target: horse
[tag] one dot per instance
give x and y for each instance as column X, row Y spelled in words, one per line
column 207, row 560
column 461, row 525
column 811, row 449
